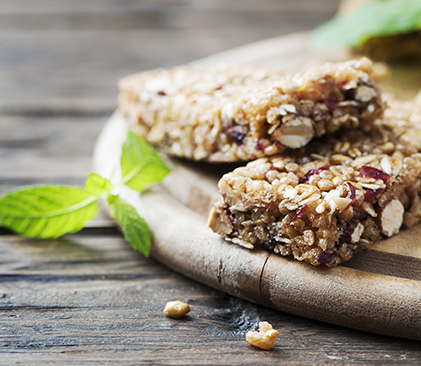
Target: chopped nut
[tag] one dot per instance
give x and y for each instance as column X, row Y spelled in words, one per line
column 287, row 108
column 391, row 217
column 321, row 207
column 368, row 207
column 365, row 93
column 220, row 222
column 295, row 133
column 356, row 234
column 176, row 309
column 265, row 338
column 336, row 202
column 273, row 113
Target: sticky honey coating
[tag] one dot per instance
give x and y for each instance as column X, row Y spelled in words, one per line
column 332, row 199
column 240, row 113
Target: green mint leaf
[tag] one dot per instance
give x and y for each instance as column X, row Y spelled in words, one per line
column 141, row 166
column 46, row 211
column 371, row 19
column 98, row 186
column 135, row 230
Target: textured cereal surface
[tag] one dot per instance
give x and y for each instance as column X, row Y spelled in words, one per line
column 331, row 199
column 240, row 113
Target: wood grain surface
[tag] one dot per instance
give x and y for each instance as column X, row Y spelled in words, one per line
column 88, row 298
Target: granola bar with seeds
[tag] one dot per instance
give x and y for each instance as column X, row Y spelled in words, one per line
column 240, row 113
column 398, row 129
column 324, row 210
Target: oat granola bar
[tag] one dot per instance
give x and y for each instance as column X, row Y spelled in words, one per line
column 398, row 129
column 239, row 113
column 325, row 204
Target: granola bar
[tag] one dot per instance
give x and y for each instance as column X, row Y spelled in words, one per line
column 327, row 203
column 398, row 129
column 240, row 113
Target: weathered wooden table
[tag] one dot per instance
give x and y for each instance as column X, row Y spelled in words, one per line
column 88, row 298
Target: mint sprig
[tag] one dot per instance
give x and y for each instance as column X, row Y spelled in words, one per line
column 97, row 185
column 371, row 19
column 49, row 211
column 141, row 166
column 135, row 229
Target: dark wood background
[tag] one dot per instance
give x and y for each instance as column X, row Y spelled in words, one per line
column 88, row 298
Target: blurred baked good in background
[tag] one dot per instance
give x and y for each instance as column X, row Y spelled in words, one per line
column 385, row 30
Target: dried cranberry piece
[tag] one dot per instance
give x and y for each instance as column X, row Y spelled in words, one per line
column 311, row 172
column 371, row 194
column 300, row 212
column 347, row 230
column 331, row 102
column 270, row 244
column 349, row 94
column 351, row 192
column 237, row 133
column 370, row 172
column 326, row 258
column 261, row 146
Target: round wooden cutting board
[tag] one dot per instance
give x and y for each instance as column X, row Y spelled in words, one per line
column 379, row 290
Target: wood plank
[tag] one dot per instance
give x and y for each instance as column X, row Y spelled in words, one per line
column 47, row 61
column 93, row 299
column 172, row 7
column 50, row 149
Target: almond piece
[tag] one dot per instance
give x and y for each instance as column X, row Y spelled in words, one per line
column 219, row 222
column 391, row 217
column 365, row 94
column 295, row 133
column 356, row 234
